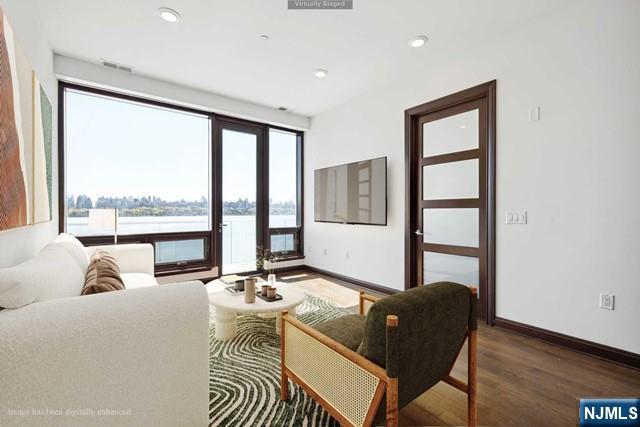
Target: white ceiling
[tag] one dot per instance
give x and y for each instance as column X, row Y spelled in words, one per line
column 216, row 45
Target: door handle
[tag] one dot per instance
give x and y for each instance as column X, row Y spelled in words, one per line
column 220, row 225
column 419, row 232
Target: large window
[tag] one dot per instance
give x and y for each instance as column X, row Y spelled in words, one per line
column 150, row 163
column 141, row 171
column 145, row 171
column 285, row 184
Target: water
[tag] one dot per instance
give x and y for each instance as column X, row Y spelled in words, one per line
column 238, row 236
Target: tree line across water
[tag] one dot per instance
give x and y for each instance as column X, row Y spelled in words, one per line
column 78, row 206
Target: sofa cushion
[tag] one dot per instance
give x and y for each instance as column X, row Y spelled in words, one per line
column 53, row 273
column 138, row 280
column 347, row 330
column 103, row 275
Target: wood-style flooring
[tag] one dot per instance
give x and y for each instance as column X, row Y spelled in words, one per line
column 522, row 381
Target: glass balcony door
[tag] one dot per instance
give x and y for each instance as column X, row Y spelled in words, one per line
column 240, row 222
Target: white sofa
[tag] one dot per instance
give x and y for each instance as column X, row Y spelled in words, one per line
column 127, row 358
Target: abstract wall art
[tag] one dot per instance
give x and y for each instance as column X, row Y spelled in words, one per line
column 42, row 146
column 26, row 138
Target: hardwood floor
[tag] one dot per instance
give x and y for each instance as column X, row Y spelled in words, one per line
column 522, row 381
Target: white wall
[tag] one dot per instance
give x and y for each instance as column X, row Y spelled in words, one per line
column 19, row 244
column 576, row 171
column 78, row 71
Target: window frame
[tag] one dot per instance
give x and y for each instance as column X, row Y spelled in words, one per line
column 298, row 252
column 213, row 251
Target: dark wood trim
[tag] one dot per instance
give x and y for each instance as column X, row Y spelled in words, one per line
column 451, row 157
column 601, row 351
column 356, row 283
column 216, row 194
column 451, row 249
column 466, row 95
column 131, row 98
column 300, row 194
column 288, row 258
column 288, row 269
column 262, row 186
column 189, row 271
column 284, row 230
column 450, row 203
column 482, row 97
column 62, row 202
column 410, row 200
column 491, row 202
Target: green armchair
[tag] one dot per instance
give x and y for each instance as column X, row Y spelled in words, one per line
column 396, row 348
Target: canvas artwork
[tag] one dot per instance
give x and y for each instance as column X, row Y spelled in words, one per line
column 42, row 163
column 26, row 132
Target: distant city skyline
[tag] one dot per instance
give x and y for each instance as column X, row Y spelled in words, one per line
column 78, row 206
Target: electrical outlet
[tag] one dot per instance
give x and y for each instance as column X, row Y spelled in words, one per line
column 607, row 301
column 347, row 255
column 516, row 217
column 325, row 251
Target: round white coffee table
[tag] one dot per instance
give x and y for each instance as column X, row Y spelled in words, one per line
column 228, row 306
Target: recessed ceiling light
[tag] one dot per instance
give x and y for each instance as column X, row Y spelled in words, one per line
column 320, row 73
column 168, row 14
column 463, row 126
column 265, row 37
column 418, row 41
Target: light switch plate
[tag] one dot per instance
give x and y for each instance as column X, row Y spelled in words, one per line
column 534, row 114
column 607, row 301
column 516, row 217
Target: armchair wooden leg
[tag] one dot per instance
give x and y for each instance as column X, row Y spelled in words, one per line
column 284, row 381
column 392, row 402
column 472, row 380
column 393, row 368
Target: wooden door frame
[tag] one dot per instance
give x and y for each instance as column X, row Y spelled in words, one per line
column 485, row 91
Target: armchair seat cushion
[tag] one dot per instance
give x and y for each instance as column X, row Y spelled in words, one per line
column 347, row 330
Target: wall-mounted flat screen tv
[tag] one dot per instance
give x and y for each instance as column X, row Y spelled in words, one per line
column 355, row 193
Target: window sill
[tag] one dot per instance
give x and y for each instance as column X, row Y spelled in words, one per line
column 175, row 272
column 289, row 258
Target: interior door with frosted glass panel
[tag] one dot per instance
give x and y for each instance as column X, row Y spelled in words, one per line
column 239, row 223
column 451, row 220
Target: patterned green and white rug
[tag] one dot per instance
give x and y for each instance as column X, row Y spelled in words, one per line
column 244, row 374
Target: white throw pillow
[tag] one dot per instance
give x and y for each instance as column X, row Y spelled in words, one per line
column 53, row 273
column 69, row 238
column 77, row 249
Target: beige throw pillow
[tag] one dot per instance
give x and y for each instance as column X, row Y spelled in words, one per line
column 103, row 275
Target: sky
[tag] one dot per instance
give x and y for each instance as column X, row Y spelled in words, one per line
column 116, row 148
